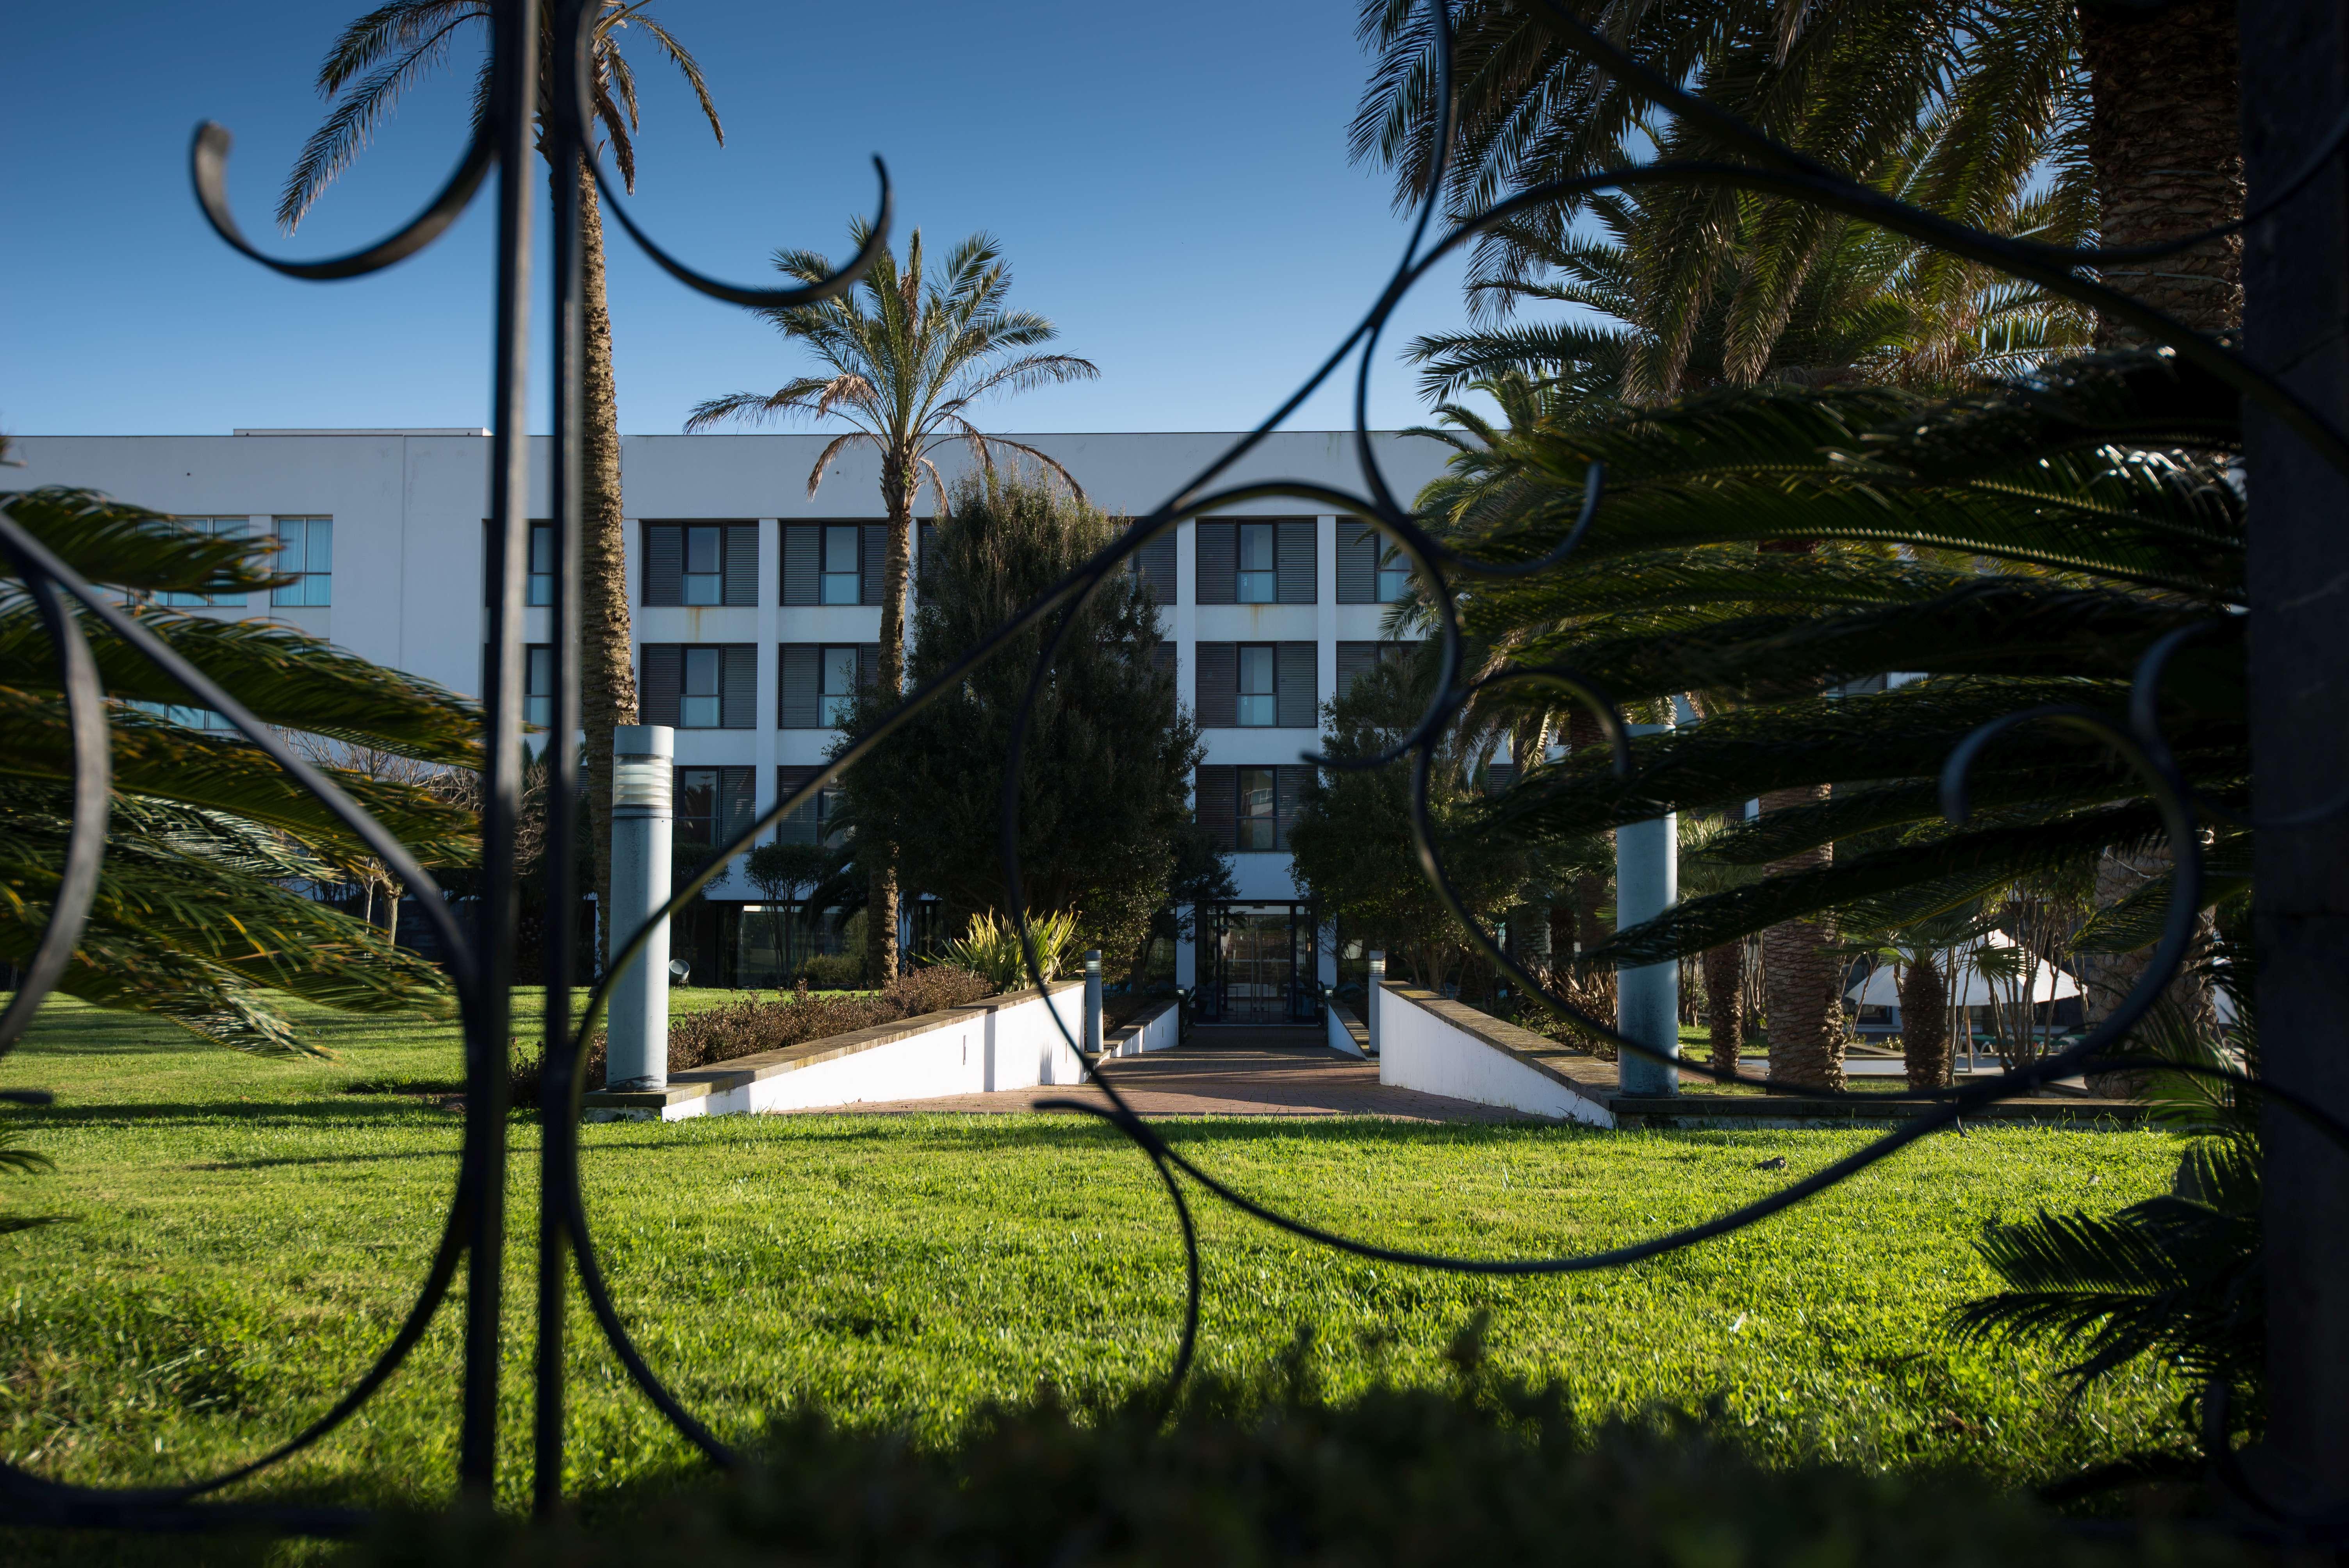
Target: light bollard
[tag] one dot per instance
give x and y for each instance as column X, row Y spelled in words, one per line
column 1092, row 1002
column 1648, row 998
column 1378, row 978
column 644, row 770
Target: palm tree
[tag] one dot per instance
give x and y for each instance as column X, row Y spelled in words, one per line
column 2014, row 548
column 2113, row 101
column 376, row 58
column 196, row 917
column 906, row 357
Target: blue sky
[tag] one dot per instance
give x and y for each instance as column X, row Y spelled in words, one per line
column 1170, row 183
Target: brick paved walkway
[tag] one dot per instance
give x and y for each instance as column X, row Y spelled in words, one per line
column 1223, row 1081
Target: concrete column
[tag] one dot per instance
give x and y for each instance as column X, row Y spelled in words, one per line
column 1648, row 998
column 1371, row 999
column 644, row 774
column 1092, row 1000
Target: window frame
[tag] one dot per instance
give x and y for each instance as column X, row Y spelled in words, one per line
column 1265, row 578
column 186, row 598
column 1266, row 702
column 828, row 577
column 308, row 582
column 1245, row 821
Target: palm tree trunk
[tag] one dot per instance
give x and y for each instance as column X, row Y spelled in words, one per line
column 1925, row 1025
column 899, row 479
column 1800, row 1005
column 607, row 682
column 1724, row 1002
column 2164, row 138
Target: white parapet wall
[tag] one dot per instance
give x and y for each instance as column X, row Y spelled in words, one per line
column 1345, row 1032
column 1438, row 1047
column 1004, row 1042
column 1157, row 1028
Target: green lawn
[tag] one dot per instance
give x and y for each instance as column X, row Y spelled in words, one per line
column 244, row 1234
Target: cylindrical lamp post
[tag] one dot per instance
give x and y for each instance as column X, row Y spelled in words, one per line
column 644, row 771
column 1092, row 1002
column 1648, row 998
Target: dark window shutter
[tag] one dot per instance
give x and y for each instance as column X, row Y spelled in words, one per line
column 802, row 563
column 1293, row 554
column 798, row 827
column 1299, row 677
column 1287, row 793
column 1154, row 564
column 868, row 665
column 802, row 669
column 1218, row 689
column 741, row 563
column 738, row 687
column 1219, row 562
column 1218, row 805
column 927, row 569
column 1500, row 775
column 872, row 552
column 664, row 681
column 1354, row 659
column 664, row 564
column 1162, row 657
column 1357, row 563
column 737, row 802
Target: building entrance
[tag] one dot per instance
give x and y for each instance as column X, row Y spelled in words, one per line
column 1260, row 965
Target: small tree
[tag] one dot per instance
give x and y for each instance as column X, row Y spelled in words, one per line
column 1353, row 842
column 1107, row 766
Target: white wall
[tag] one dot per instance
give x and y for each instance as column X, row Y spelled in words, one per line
column 1418, row 1050
column 409, row 509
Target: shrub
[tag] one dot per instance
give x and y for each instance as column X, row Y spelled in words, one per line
column 993, row 947
column 1395, row 1475
column 750, row 1025
column 835, row 971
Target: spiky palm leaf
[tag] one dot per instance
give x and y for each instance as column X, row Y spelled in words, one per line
column 1956, row 108
column 198, row 915
column 2016, row 548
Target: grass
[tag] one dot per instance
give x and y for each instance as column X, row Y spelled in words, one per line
column 243, row 1234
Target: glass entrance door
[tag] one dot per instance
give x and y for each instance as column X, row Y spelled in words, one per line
column 1259, row 953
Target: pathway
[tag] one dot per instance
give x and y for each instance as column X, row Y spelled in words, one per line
column 1222, row 1080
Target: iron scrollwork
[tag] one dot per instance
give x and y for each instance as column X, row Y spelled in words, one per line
column 481, row 963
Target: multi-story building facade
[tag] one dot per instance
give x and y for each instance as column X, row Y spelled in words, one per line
column 756, row 608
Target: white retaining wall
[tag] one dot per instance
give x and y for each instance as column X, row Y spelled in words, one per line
column 1418, row 1049
column 1011, row 1046
column 1160, row 1032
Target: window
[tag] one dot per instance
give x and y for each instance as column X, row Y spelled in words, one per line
column 1259, row 694
column 538, row 583
column 186, row 718
column 812, row 823
column 220, row 528
column 1250, row 809
column 844, row 576
column 1154, row 564
column 1255, row 686
column 305, row 551
column 820, row 681
column 713, row 806
column 1255, row 823
column 540, row 589
column 1258, row 582
column 1367, row 573
column 1394, row 578
column 538, row 685
column 839, row 692
column 703, row 702
column 1357, row 660
column 701, row 563
column 1255, row 562
column 701, row 686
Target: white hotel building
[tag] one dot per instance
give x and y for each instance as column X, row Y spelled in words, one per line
column 752, row 602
